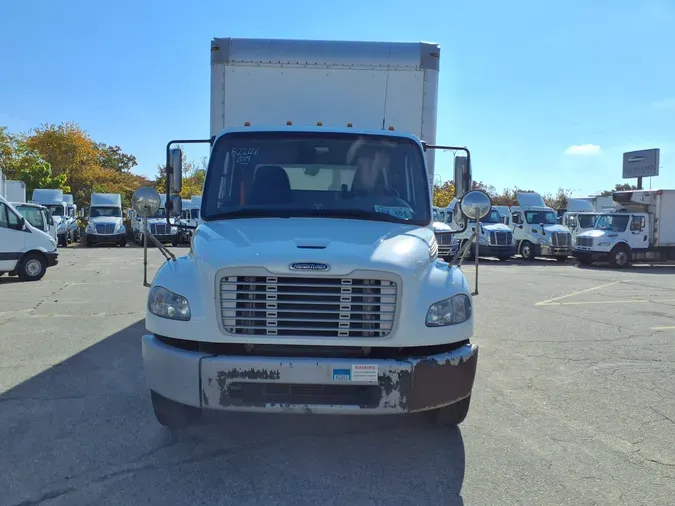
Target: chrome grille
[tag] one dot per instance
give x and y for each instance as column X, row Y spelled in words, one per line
column 159, row 229
column 500, row 238
column 307, row 306
column 586, row 242
column 561, row 239
column 444, row 238
column 105, row 228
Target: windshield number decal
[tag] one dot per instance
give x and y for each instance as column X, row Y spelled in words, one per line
column 403, row 213
column 244, row 155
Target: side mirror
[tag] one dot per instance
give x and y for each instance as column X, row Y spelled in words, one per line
column 145, row 201
column 462, row 175
column 22, row 223
column 174, row 206
column 475, row 204
column 174, row 171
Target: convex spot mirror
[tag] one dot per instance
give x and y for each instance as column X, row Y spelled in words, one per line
column 475, row 204
column 145, row 201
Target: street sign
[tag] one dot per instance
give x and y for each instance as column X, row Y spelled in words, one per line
column 644, row 163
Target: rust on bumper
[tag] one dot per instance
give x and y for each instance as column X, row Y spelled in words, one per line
column 325, row 385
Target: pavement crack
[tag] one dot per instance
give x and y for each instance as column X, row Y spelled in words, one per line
column 47, row 496
column 661, row 414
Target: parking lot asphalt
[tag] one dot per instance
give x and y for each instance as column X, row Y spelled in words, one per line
column 574, row 403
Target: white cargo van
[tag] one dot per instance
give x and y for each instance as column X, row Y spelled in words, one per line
column 313, row 284
column 53, row 200
column 105, row 223
column 536, row 229
column 641, row 230
column 25, row 251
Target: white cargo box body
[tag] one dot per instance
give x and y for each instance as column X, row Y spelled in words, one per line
column 3, row 183
column 106, row 200
column 15, row 192
column 372, row 85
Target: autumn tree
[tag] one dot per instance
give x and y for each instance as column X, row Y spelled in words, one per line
column 194, row 174
column 443, row 194
column 113, row 158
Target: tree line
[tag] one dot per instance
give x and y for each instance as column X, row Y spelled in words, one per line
column 65, row 157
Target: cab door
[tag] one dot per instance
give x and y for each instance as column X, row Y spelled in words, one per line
column 12, row 238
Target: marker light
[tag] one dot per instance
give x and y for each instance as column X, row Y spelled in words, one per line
column 319, row 123
column 248, row 123
column 349, row 125
column 289, row 123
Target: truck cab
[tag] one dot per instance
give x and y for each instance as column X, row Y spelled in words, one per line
column 105, row 223
column 161, row 225
column 72, row 224
column 53, row 200
column 494, row 238
column 536, row 229
column 25, row 251
column 38, row 216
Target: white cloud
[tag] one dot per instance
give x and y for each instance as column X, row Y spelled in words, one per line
column 583, row 150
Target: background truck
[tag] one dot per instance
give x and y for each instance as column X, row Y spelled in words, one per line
column 579, row 216
column 71, row 210
column 495, row 239
column 161, row 225
column 641, row 230
column 38, row 216
column 536, row 229
column 314, row 283
column 105, row 223
column 53, row 200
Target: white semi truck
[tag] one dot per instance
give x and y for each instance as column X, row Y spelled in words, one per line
column 105, row 224
column 161, row 225
column 53, row 200
column 536, row 229
column 71, row 211
column 313, row 282
column 641, row 230
column 579, row 216
column 495, row 239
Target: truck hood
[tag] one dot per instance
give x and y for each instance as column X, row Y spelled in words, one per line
column 159, row 221
column 496, row 227
column 555, row 228
column 342, row 244
column 594, row 233
column 439, row 226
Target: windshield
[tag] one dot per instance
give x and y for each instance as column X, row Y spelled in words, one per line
column 161, row 213
column 33, row 216
column 493, row 217
column 55, row 210
column 195, row 214
column 105, row 212
column 586, row 220
column 545, row 217
column 612, row 222
column 378, row 178
column 448, row 217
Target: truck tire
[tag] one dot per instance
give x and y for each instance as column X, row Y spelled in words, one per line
column 32, row 267
column 449, row 416
column 504, row 258
column 527, row 250
column 584, row 261
column 172, row 414
column 175, row 243
column 123, row 242
column 620, row 256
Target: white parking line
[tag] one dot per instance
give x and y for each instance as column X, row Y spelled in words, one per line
column 624, row 301
column 663, row 328
column 549, row 301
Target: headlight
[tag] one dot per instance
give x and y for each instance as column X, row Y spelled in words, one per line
column 544, row 240
column 174, row 230
column 166, row 304
column 62, row 225
column 456, row 309
column 121, row 229
column 606, row 243
column 90, row 228
column 483, row 241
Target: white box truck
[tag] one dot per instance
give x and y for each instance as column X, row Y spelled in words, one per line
column 313, row 283
column 53, row 200
column 641, row 230
column 105, row 223
column 15, row 192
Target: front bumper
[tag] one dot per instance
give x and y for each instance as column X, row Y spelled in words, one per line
column 488, row 250
column 309, row 384
column 589, row 256
column 104, row 239
column 52, row 258
column 545, row 250
column 166, row 237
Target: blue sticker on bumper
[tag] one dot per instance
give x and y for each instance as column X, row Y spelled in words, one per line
column 342, row 374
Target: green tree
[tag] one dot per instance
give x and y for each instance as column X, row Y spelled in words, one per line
column 113, row 158
column 443, row 194
column 621, row 187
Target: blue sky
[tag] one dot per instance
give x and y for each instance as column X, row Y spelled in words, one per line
column 546, row 94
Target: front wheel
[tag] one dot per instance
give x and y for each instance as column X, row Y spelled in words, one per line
column 504, row 258
column 449, row 416
column 123, row 242
column 584, row 261
column 527, row 250
column 32, row 267
column 172, row 414
column 175, row 243
column 620, row 256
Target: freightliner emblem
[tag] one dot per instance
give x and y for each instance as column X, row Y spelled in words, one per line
column 308, row 266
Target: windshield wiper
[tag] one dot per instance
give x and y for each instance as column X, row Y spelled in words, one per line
column 249, row 213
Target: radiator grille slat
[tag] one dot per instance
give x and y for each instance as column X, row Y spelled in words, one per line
column 561, row 239
column 105, row 228
column 501, row 238
column 307, row 307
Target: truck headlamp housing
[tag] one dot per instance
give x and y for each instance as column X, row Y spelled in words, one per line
column 456, row 309
column 167, row 304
